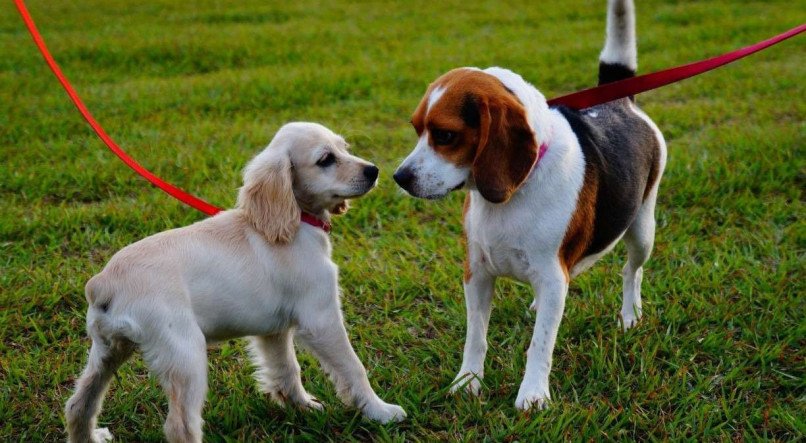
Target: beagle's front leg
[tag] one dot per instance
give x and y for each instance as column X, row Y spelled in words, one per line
column 551, row 288
column 479, row 287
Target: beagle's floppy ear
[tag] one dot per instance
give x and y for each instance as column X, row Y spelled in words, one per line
column 507, row 150
column 267, row 197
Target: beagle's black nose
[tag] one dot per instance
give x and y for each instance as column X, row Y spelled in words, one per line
column 371, row 172
column 404, row 177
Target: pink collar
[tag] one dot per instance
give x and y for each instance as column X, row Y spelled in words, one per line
column 315, row 221
column 541, row 151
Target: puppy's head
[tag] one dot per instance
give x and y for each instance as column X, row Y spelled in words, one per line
column 472, row 132
column 306, row 167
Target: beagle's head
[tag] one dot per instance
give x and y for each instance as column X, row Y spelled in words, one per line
column 473, row 132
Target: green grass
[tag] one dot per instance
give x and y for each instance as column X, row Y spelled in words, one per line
column 193, row 91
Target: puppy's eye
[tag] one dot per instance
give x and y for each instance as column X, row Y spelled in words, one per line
column 326, row 160
column 443, row 137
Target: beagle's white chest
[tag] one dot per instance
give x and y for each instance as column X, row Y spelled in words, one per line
column 499, row 247
column 518, row 239
column 505, row 260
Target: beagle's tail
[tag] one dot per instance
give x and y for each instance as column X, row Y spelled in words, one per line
column 619, row 58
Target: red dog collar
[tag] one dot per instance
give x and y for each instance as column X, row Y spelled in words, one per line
column 315, row 221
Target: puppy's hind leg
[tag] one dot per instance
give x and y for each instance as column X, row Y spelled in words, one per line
column 179, row 360
column 81, row 411
column 278, row 372
column 639, row 239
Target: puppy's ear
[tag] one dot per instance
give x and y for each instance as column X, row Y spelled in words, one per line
column 507, row 150
column 340, row 208
column 267, row 198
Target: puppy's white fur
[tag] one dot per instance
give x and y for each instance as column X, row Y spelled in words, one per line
column 251, row 271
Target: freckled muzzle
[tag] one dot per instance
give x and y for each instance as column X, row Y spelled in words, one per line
column 411, row 183
column 435, row 182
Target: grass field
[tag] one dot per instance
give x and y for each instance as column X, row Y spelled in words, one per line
column 193, row 91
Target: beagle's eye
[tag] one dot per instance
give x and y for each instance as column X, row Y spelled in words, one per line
column 443, row 137
column 326, row 160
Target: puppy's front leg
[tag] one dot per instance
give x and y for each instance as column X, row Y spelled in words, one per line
column 551, row 288
column 478, row 298
column 326, row 338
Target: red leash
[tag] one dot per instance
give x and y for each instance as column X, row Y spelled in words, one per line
column 642, row 83
column 175, row 192
column 578, row 100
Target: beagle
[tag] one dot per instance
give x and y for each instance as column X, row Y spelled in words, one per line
column 261, row 270
column 551, row 190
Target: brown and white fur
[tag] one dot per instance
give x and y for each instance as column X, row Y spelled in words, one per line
column 251, row 271
column 541, row 221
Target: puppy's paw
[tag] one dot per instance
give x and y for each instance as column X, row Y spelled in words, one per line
column 101, row 435
column 308, row 402
column 629, row 318
column 532, row 399
column 383, row 412
column 298, row 398
column 468, row 382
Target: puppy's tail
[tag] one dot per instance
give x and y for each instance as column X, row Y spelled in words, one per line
column 619, row 58
column 102, row 321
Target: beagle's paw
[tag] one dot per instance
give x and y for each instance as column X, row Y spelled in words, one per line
column 467, row 381
column 532, row 398
column 101, row 435
column 629, row 318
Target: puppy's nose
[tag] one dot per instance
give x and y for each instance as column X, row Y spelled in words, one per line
column 404, row 177
column 371, row 172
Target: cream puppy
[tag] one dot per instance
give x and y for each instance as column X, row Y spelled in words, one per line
column 262, row 270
